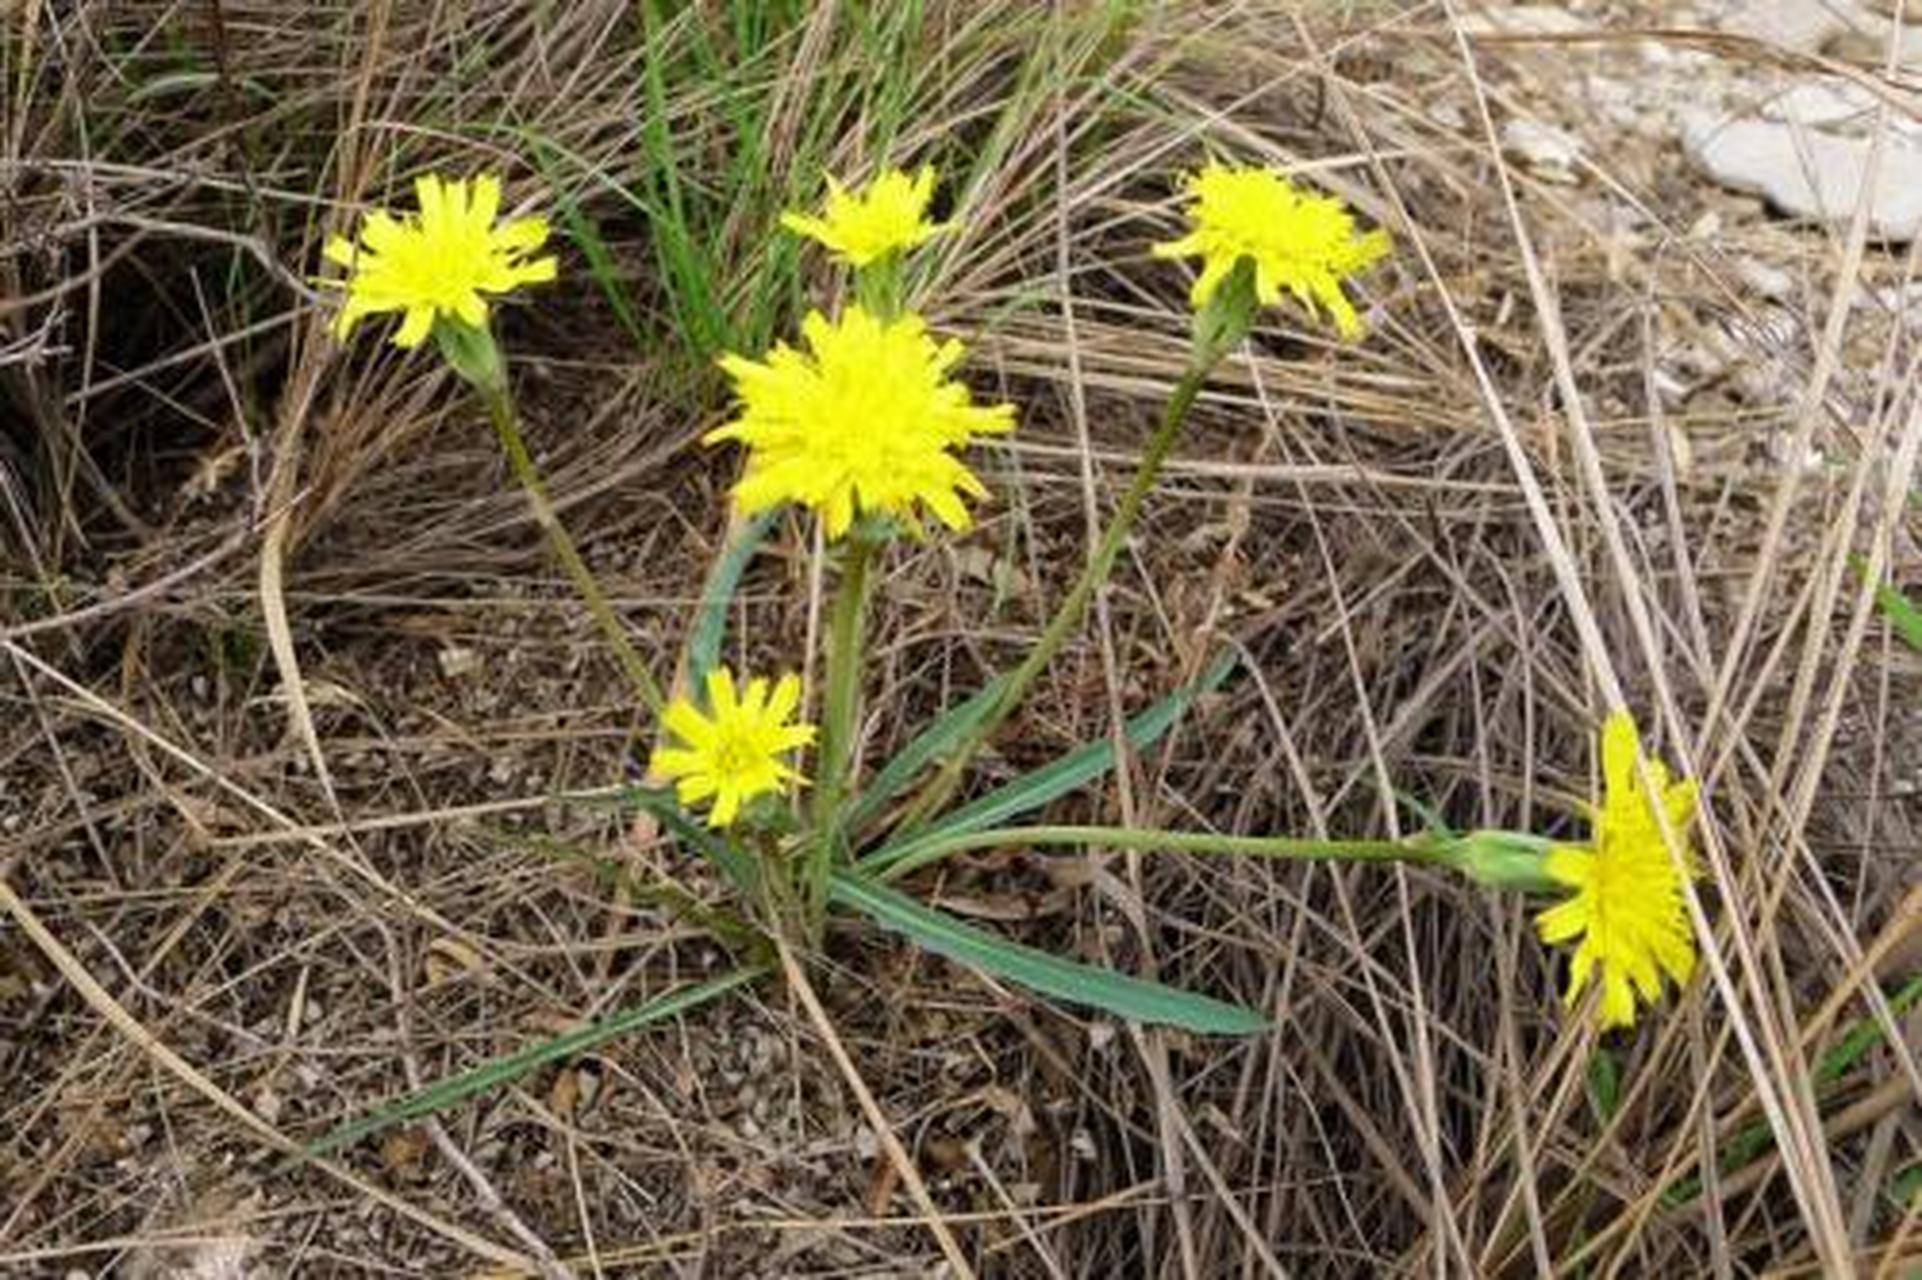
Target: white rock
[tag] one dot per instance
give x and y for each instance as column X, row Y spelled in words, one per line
column 1765, row 278
column 1821, row 101
column 457, row 661
column 1807, row 173
column 1550, row 151
column 1526, row 20
column 1868, row 38
column 1801, row 25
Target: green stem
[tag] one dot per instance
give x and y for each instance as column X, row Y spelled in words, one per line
column 1068, row 616
column 839, row 704
column 889, row 864
column 500, row 407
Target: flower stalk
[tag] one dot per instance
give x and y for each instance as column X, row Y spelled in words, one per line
column 1068, row 614
column 890, row 864
column 840, row 713
column 500, row 408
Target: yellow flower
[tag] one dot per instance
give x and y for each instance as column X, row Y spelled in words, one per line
column 732, row 752
column 862, row 422
column 891, row 214
column 1300, row 242
column 439, row 261
column 1627, row 905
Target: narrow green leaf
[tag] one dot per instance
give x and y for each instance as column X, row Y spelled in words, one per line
column 587, row 237
column 1754, row 1138
column 1049, row 975
column 1862, row 1035
column 710, row 624
column 1902, row 613
column 1904, row 1187
column 926, row 747
column 1604, row 1084
column 489, row 1075
column 735, row 863
column 1068, row 773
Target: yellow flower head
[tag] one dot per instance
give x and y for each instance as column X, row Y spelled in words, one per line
column 864, row 421
column 890, row 214
column 1627, row 906
column 732, row 752
column 1300, row 242
column 439, row 261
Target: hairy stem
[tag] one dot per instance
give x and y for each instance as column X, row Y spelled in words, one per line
column 500, row 406
column 1071, row 610
column 846, row 640
column 890, row 863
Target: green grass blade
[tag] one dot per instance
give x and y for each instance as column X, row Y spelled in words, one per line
column 924, row 749
column 1038, row 971
column 735, row 863
column 1904, row 1187
column 1752, row 1139
column 1902, row 612
column 1032, row 790
column 1605, row 1085
column 1862, row 1035
column 710, row 625
column 587, row 237
column 491, row 1075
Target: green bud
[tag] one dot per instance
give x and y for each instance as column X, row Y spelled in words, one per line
column 471, row 352
column 1501, row 860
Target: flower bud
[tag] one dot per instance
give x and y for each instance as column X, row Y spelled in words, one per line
column 1501, row 860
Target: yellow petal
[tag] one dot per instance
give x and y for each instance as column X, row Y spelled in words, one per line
column 686, row 723
column 1188, row 246
column 1569, row 864
column 521, row 235
column 471, row 310
column 539, row 271
column 1563, row 921
column 674, row 762
column 721, row 701
column 803, row 225
column 1618, row 1001
column 1620, row 747
column 415, row 328
column 785, row 698
column 432, row 195
column 486, row 204
column 695, row 787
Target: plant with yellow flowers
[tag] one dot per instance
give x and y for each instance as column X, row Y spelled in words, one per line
column 867, row 426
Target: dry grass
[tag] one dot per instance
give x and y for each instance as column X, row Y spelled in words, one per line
column 290, row 682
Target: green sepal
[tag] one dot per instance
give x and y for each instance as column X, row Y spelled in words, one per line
column 1513, row 860
column 1228, row 315
column 471, row 352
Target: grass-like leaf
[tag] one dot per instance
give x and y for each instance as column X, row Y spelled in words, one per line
column 1755, row 1138
column 1032, row 790
column 738, row 866
column 1903, row 613
column 490, row 1075
column 926, row 747
column 1605, row 1085
column 587, row 238
column 710, row 624
column 1038, row 971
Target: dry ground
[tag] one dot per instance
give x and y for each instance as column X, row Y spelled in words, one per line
column 290, row 684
